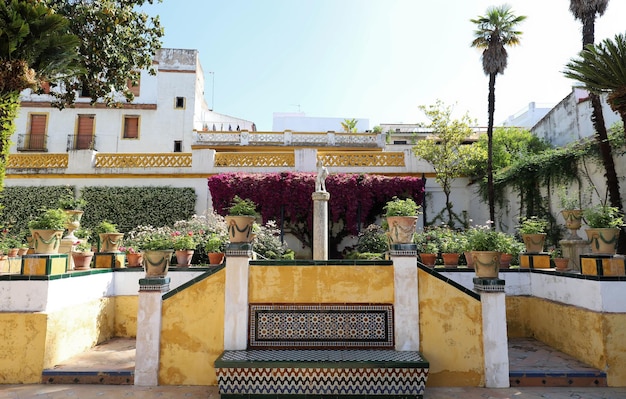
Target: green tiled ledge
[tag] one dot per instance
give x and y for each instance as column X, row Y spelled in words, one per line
column 306, row 262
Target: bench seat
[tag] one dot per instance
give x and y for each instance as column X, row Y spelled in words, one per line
column 327, row 373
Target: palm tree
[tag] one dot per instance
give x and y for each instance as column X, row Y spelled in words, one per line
column 35, row 46
column 349, row 125
column 586, row 11
column 495, row 30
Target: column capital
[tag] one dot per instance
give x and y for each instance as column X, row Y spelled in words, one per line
column 154, row 284
column 488, row 284
column 320, row 196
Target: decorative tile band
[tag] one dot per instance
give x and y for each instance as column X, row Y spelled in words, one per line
column 327, row 381
column 327, row 326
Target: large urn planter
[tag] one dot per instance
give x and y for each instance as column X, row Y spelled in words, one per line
column 183, row 257
column 73, row 222
column 534, row 242
column 401, row 229
column 110, row 242
column 240, row 228
column 486, row 263
column 603, row 240
column 156, row 263
column 46, row 241
column 573, row 220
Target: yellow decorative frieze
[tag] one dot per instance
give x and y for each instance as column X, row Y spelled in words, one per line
column 37, row 161
column 255, row 159
column 143, row 160
column 362, row 158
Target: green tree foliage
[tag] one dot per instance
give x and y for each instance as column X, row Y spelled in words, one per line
column 349, row 125
column 116, row 41
column 444, row 149
column 494, row 31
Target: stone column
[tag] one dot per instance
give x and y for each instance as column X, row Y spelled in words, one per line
column 236, row 302
column 320, row 225
column 149, row 330
column 495, row 341
column 572, row 249
column 406, row 300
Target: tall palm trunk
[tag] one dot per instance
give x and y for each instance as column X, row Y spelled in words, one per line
column 491, row 195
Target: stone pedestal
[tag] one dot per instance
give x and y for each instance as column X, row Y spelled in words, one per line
column 149, row 330
column 572, row 249
column 406, row 299
column 495, row 341
column 320, row 225
column 236, row 300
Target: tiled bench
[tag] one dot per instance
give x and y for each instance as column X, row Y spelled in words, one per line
column 330, row 350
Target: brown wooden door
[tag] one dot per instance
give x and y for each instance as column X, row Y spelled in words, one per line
column 84, row 135
column 37, row 137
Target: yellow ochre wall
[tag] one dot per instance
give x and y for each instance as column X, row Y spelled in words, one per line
column 75, row 329
column 321, row 284
column 594, row 338
column 126, row 308
column 192, row 333
column 22, row 347
column 450, row 333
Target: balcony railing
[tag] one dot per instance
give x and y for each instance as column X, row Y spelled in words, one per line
column 32, row 142
column 80, row 142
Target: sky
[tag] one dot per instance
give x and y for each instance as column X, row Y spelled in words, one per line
column 373, row 59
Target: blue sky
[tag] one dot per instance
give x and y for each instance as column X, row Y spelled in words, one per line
column 374, row 59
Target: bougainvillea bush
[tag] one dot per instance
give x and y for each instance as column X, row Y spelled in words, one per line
column 355, row 199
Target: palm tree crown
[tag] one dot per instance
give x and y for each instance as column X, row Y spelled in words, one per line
column 601, row 69
column 495, row 30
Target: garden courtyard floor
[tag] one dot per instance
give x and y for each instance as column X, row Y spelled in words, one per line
column 117, row 355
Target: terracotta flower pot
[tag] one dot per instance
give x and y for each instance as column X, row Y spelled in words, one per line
column 429, row 259
column 183, row 257
column 82, row 260
column 505, row 260
column 468, row 259
column 216, row 258
column 134, row 260
column 561, row 263
column 450, row 259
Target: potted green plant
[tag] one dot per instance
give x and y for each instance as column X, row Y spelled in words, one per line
column 452, row 244
column 47, row 230
column 561, row 263
column 401, row 216
column 485, row 246
column 428, row 252
column 82, row 255
column 533, row 232
column 184, row 245
column 109, row 238
column 240, row 218
column 214, row 247
column 157, row 245
column 604, row 227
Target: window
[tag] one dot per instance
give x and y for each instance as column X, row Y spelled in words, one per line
column 131, row 127
column 84, row 91
column 37, row 137
column 134, row 89
column 84, row 134
column 180, row 102
column 178, row 146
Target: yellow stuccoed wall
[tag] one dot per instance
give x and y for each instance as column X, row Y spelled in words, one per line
column 450, row 333
column 126, row 316
column 22, row 347
column 192, row 333
column 321, row 284
column 594, row 338
column 75, row 329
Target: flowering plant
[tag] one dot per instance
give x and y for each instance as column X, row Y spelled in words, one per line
column 129, row 249
column 82, row 246
column 484, row 238
column 151, row 238
column 184, row 241
column 532, row 225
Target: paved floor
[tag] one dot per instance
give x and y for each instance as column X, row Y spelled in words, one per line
column 119, row 354
column 195, row 392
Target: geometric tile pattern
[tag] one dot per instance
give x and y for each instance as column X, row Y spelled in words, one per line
column 321, row 326
column 322, row 381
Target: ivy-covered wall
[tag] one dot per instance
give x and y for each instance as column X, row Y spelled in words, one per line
column 127, row 207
